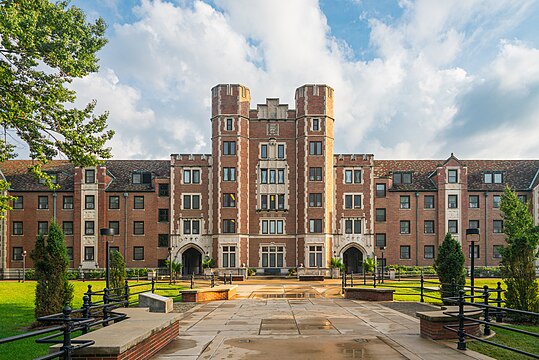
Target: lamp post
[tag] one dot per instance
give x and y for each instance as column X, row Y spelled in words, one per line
column 170, row 263
column 471, row 235
column 23, row 265
column 383, row 248
column 107, row 232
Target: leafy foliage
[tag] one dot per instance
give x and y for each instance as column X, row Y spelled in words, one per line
column 175, row 266
column 369, row 265
column 517, row 265
column 118, row 273
column 208, row 262
column 43, row 47
column 53, row 290
column 449, row 266
column 336, row 263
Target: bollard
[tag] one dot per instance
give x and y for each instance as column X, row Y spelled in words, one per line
column 67, row 348
column 422, row 287
column 499, row 290
column 461, row 345
column 486, row 295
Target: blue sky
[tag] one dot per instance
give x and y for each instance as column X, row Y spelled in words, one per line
column 412, row 79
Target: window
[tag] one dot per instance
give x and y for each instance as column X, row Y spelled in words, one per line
column 428, row 251
column 138, row 202
column 315, row 200
column 280, row 176
column 272, row 178
column 348, row 176
column 67, row 202
column 380, row 190
column 42, row 227
column 453, row 226
column 475, row 249
column 229, row 200
column 452, row 176
column 496, row 251
column 187, row 227
column 141, row 177
column 280, row 201
column 405, row 202
column 402, row 178
column 229, row 256
column 114, row 202
column 138, row 228
column 380, row 240
column 316, row 124
column 67, row 227
column 272, row 226
column 191, row 176
column 89, row 202
column 428, row 202
column 229, row 148
column 497, row 226
column 380, row 215
column 89, row 228
column 163, row 190
column 352, row 226
column 315, row 174
column 113, row 249
column 474, row 201
column 452, row 201
column 315, row 148
column 473, row 224
column 17, row 228
column 405, row 252
column 263, row 176
column 429, row 226
column 162, row 240
column 138, row 253
column 89, row 176
column 493, row 177
column 352, row 176
column 352, row 201
column 88, row 253
column 16, row 254
column 115, row 225
column 264, row 151
column 280, row 151
column 315, row 225
column 496, row 199
column 315, row 256
column 264, row 202
column 498, row 178
column 191, row 202
column 69, row 253
column 229, row 226
column 229, row 174
column 42, row 202
column 162, row 215
column 405, row 227
column 523, row 198
column 229, row 126
column 272, row 256
column 18, row 202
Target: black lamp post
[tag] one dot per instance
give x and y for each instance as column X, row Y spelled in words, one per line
column 471, row 235
column 383, row 248
column 24, row 265
column 107, row 232
column 170, row 263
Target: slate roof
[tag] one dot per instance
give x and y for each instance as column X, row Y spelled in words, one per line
column 121, row 172
column 16, row 173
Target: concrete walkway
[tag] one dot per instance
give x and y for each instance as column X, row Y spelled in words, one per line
column 297, row 322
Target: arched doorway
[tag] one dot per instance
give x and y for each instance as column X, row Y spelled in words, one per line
column 192, row 261
column 353, row 260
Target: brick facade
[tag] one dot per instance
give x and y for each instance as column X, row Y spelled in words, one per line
column 272, row 194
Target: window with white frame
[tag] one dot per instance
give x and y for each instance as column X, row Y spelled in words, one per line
column 315, row 174
column 474, row 201
column 453, row 226
column 493, row 177
column 315, row 148
column 229, row 226
column 229, row 174
column 496, row 199
column 229, row 256
column 272, row 202
column 229, row 200
column 315, row 200
column 352, row 176
column 272, row 256
column 405, row 226
column 191, row 176
column 352, row 201
column 452, row 176
column 272, row 227
column 191, row 201
column 191, row 226
column 264, row 151
column 497, row 226
column 315, row 124
column 452, row 201
column 352, row 226
column 428, row 202
column 229, row 124
column 315, row 226
column 315, row 256
column 280, row 151
column 229, row 148
column 405, row 202
column 428, row 226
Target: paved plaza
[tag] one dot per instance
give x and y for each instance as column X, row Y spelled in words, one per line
column 301, row 322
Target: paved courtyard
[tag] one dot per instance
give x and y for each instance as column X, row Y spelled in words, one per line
column 300, row 322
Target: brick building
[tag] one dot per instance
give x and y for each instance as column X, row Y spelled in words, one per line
column 271, row 195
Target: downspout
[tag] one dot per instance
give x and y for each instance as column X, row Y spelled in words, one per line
column 416, row 228
column 54, row 197
column 486, row 228
column 125, row 225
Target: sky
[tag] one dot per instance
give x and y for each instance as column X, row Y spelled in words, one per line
column 413, row 79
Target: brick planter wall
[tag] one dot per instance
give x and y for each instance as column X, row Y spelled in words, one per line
column 431, row 325
column 369, row 294
column 209, row 294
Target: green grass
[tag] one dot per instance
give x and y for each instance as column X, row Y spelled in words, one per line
column 17, row 313
column 522, row 342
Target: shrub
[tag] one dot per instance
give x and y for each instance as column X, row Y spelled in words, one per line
column 208, row 263
column 369, row 265
column 117, row 273
column 449, row 265
column 251, row 272
column 336, row 263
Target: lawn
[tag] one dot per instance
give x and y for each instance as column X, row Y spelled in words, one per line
column 508, row 338
column 17, row 313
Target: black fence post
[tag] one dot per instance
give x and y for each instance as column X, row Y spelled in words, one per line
column 499, row 290
column 230, row 282
column 486, row 295
column 352, row 279
column 364, row 277
column 422, row 288
column 192, row 280
column 461, row 345
column 86, row 311
column 454, row 288
column 374, row 278
column 67, row 348
column 343, row 281
column 126, row 293
column 153, row 285
column 106, row 297
column 212, row 283
column 89, row 293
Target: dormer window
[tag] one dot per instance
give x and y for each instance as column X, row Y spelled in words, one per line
column 493, row 177
column 54, row 178
column 140, row 177
column 402, row 177
column 452, row 176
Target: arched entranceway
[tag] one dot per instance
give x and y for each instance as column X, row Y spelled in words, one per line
column 192, row 261
column 353, row 260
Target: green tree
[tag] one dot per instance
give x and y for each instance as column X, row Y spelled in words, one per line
column 176, row 267
column 43, row 47
column 369, row 264
column 517, row 265
column 53, row 290
column 118, row 273
column 449, row 266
